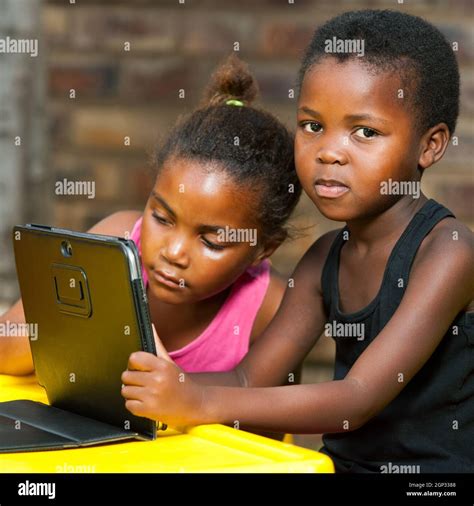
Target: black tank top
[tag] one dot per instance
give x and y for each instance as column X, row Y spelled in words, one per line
column 430, row 424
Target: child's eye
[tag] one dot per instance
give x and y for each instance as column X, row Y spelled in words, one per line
column 312, row 127
column 212, row 245
column 160, row 219
column 367, row 133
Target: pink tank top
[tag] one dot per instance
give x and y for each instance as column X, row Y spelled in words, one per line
column 225, row 342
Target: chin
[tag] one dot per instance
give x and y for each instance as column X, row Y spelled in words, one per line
column 165, row 295
column 333, row 210
column 337, row 215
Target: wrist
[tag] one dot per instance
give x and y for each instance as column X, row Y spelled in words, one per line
column 208, row 411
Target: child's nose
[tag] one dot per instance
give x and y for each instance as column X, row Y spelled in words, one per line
column 175, row 251
column 333, row 150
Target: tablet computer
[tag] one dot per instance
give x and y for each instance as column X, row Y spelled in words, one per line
column 85, row 295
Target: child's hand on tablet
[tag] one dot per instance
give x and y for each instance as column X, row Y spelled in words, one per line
column 155, row 387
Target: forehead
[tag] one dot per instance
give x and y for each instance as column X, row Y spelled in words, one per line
column 352, row 87
column 203, row 193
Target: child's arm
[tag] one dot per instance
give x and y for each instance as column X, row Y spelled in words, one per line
column 15, row 354
column 265, row 315
column 286, row 343
column 440, row 287
column 288, row 338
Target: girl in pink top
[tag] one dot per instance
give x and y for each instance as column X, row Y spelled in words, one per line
column 225, row 187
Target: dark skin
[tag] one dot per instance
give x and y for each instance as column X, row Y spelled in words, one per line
column 187, row 207
column 335, row 140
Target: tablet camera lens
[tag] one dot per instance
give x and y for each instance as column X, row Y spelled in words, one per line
column 66, row 249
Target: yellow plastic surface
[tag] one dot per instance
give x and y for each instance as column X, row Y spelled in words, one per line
column 206, row 448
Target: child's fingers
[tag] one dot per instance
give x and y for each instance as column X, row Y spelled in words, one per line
column 135, row 378
column 132, row 393
column 142, row 361
column 160, row 349
column 135, row 407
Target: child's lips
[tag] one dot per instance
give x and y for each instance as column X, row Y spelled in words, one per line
column 330, row 188
column 167, row 280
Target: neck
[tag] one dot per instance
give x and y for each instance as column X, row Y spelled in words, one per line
column 173, row 320
column 194, row 310
column 367, row 233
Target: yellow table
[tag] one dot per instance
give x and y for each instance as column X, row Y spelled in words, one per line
column 206, row 448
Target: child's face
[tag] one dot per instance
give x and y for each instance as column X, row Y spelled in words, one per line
column 354, row 132
column 180, row 232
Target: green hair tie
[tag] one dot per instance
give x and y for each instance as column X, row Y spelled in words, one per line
column 238, row 103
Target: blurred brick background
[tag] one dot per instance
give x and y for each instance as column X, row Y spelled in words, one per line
column 173, row 46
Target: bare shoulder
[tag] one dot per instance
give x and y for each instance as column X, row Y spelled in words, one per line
column 310, row 267
column 320, row 248
column 314, row 260
column 118, row 224
column 449, row 238
column 270, row 304
column 449, row 247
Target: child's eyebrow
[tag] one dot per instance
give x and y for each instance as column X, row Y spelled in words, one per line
column 309, row 111
column 365, row 117
column 163, row 203
column 201, row 226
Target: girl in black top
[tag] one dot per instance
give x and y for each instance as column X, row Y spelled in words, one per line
column 394, row 287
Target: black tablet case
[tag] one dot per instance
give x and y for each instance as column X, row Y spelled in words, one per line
column 31, row 426
column 86, row 294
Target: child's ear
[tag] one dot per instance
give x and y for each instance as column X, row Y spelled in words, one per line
column 268, row 249
column 433, row 145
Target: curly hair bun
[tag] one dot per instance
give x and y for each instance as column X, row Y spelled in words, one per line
column 231, row 81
